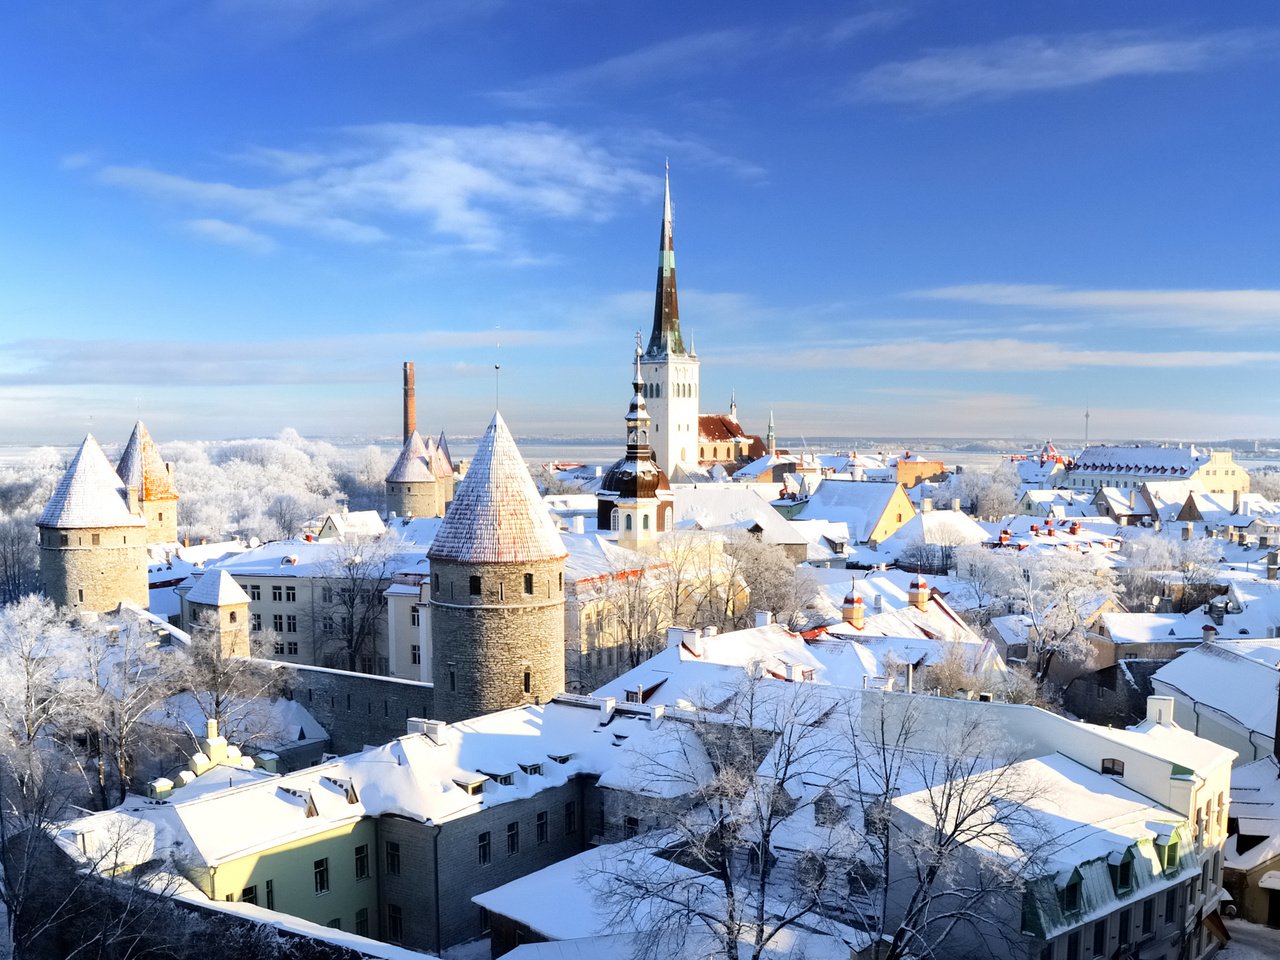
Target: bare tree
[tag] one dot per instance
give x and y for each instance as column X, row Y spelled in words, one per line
column 761, row 576
column 352, row 610
column 989, row 574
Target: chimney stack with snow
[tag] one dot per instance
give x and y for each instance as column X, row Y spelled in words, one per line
column 1273, row 564
column 410, row 402
column 918, row 595
column 1209, row 633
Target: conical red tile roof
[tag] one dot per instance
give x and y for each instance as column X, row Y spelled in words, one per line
column 142, row 466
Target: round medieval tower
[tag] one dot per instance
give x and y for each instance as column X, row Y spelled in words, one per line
column 497, row 589
column 93, row 537
column 146, row 473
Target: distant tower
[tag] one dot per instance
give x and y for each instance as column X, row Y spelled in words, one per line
column 420, row 483
column 733, row 404
column 770, row 438
column 671, row 372
column 143, row 471
column 635, row 496
column 219, row 604
column 93, row 537
column 497, row 589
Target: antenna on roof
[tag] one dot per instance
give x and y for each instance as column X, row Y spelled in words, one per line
column 1086, row 421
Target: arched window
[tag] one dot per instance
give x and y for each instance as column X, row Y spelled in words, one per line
column 644, row 525
column 628, row 521
column 232, row 617
column 613, row 519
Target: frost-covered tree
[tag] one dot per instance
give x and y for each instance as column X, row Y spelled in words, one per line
column 351, row 608
column 1156, row 565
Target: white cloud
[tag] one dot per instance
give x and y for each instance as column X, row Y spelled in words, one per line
column 1023, row 64
column 464, row 187
column 1213, row 309
column 997, row 355
column 231, row 235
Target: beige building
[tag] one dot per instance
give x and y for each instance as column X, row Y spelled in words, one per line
column 1128, row 468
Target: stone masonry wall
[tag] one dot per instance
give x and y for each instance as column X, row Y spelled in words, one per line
column 85, row 576
column 420, row 499
column 358, row 708
column 162, row 520
column 484, row 646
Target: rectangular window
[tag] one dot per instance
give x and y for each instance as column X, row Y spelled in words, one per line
column 630, row 827
column 321, row 871
column 290, row 594
column 335, row 923
column 97, row 539
column 291, row 648
column 415, row 654
column 326, row 594
column 570, row 818
column 64, row 539
column 528, row 583
column 277, row 622
column 249, row 894
column 1125, row 928
column 513, row 838
column 277, row 592
column 475, row 586
column 362, row 922
column 395, row 923
column 255, row 591
column 1148, row 916
column 278, row 646
column 291, row 624
column 393, row 858
column 542, row 826
column 413, row 617
column 362, row 862
column 255, row 622
column 271, row 894
column 1073, row 945
column 1170, row 904
column 1100, row 938
column 453, row 679
column 326, row 623
column 484, row 849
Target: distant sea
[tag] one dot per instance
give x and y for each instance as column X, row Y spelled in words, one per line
column 970, row 453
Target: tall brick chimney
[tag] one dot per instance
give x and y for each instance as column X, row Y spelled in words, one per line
column 410, row 403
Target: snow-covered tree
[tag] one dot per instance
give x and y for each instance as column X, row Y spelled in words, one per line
column 1156, row 565
column 351, row 608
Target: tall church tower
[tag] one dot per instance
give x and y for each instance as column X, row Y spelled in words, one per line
column 635, row 498
column 497, row 589
column 670, row 371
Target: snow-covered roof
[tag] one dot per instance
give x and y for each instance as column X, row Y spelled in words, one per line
column 739, row 506
column 858, row 503
column 216, row 589
column 141, row 466
column 1231, row 683
column 497, row 515
column 414, row 463
column 1170, row 461
column 90, row 494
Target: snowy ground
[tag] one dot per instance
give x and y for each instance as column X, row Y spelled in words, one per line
column 1249, row 941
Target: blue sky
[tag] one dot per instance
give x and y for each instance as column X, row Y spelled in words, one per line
column 922, row 218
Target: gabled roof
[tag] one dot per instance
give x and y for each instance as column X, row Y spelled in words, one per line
column 497, row 515
column 90, row 494
column 414, row 463
column 142, row 466
column 217, row 589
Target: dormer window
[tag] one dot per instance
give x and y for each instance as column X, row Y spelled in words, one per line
column 1168, row 854
column 532, row 769
column 1122, row 871
column 1113, row 767
column 1070, row 894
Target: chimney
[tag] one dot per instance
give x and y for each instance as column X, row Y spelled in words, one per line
column 1273, row 564
column 1004, row 536
column 578, row 524
column 410, row 402
column 764, row 618
column 926, row 505
column 1209, row 633
column 1160, row 710
column 607, row 705
column 131, row 501
column 918, row 595
column 1235, row 501
column 853, row 612
column 877, row 603
column 955, row 504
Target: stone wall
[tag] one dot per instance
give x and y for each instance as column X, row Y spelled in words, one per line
column 501, row 647
column 162, row 520
column 357, row 708
column 86, row 576
column 423, row 498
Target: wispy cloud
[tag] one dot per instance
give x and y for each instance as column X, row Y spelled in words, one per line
column 231, row 235
column 995, row 355
column 1215, row 309
column 714, row 52
column 1032, row 63
column 463, row 187
column 225, row 362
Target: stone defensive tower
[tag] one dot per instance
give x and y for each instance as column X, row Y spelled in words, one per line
column 151, row 478
column 420, row 483
column 219, row 604
column 93, row 537
column 497, row 589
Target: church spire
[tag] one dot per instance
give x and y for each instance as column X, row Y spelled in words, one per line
column 665, row 338
column 638, row 415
